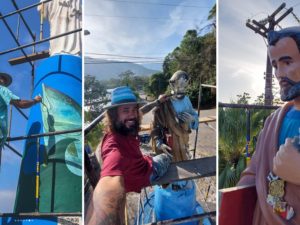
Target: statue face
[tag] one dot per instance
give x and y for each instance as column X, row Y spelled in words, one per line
column 285, row 58
column 178, row 85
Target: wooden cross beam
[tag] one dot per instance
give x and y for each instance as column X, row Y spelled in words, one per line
column 30, row 58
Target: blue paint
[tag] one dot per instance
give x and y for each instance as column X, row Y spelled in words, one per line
column 63, row 75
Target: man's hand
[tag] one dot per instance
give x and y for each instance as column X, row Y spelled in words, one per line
column 165, row 149
column 108, row 202
column 163, row 98
column 160, row 164
column 186, row 118
column 286, row 163
column 37, row 98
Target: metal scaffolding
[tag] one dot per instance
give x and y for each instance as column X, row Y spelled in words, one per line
column 29, row 59
column 208, row 169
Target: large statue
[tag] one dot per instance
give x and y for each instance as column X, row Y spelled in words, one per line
column 63, row 16
column 174, row 120
column 274, row 168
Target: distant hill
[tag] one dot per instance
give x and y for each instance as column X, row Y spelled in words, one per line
column 105, row 69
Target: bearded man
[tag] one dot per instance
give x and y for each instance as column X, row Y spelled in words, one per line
column 124, row 168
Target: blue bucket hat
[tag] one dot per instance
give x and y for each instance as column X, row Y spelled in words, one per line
column 121, row 96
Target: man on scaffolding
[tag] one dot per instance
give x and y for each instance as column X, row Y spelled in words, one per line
column 274, row 167
column 6, row 98
column 124, row 168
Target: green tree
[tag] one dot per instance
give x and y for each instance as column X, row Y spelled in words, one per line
column 157, row 84
column 126, row 78
column 197, row 56
column 232, row 139
column 93, row 138
column 94, row 95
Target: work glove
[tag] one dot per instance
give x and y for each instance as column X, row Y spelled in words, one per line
column 186, row 118
column 286, row 162
column 160, row 164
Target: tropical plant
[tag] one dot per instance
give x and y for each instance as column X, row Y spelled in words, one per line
column 94, row 136
column 232, row 139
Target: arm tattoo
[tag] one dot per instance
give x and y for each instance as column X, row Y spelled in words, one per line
column 111, row 208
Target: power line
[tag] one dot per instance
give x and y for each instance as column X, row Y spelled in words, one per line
column 127, row 53
column 162, row 4
column 119, row 62
column 124, row 56
column 145, row 18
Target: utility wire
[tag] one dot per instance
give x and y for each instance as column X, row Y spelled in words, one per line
column 162, row 4
column 119, row 62
column 163, row 54
column 144, row 18
column 125, row 56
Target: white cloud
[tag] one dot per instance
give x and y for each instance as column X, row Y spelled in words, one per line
column 135, row 34
column 7, row 201
column 242, row 52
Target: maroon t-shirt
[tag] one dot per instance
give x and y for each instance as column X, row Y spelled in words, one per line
column 121, row 156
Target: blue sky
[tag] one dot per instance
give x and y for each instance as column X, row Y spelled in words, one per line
column 242, row 53
column 141, row 28
column 21, row 86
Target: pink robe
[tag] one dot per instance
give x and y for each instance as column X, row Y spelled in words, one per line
column 259, row 168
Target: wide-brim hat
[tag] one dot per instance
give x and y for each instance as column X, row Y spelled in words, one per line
column 7, row 79
column 122, row 96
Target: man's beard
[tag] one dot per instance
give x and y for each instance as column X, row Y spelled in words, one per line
column 121, row 128
column 291, row 92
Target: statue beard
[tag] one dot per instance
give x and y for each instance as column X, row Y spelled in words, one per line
column 178, row 94
column 122, row 129
column 291, row 92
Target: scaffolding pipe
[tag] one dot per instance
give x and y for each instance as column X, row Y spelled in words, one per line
column 197, row 130
column 199, row 102
column 37, row 177
column 38, row 215
column 185, row 219
column 43, row 135
column 90, row 126
column 10, row 119
column 23, row 9
column 15, row 39
column 18, row 28
column 42, row 21
column 24, row 21
column 23, row 114
column 39, row 42
column 14, row 150
column 208, row 85
column 246, row 106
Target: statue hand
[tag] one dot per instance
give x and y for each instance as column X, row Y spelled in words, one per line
column 286, row 162
column 186, row 118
